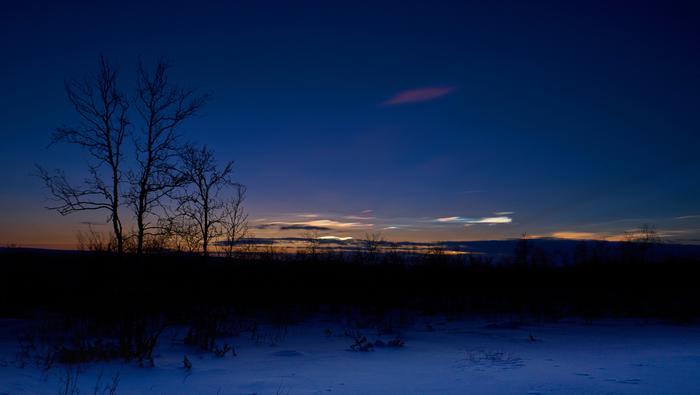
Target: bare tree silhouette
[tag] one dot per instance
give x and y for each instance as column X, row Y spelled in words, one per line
column 372, row 242
column 103, row 110
column 235, row 221
column 640, row 243
column 646, row 235
column 523, row 250
column 162, row 106
column 180, row 233
column 313, row 242
column 200, row 202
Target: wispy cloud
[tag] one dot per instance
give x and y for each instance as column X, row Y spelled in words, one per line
column 611, row 236
column 688, row 217
column 337, row 224
column 492, row 220
column 501, row 213
column 335, row 238
column 472, row 221
column 580, row 235
column 358, row 217
column 264, row 226
column 303, row 227
column 308, row 215
column 315, row 224
column 451, row 219
column 327, row 224
column 419, row 95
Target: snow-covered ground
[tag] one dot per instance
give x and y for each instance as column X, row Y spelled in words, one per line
column 439, row 357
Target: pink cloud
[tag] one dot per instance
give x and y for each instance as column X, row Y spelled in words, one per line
column 419, row 95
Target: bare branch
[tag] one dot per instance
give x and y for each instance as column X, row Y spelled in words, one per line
column 201, row 202
column 235, row 220
column 162, row 107
column 103, row 111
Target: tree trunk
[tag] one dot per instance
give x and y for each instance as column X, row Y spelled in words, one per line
column 116, row 223
column 141, row 227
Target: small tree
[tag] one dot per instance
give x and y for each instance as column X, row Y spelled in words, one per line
column 645, row 235
column 372, row 242
column 103, row 111
column 313, row 242
column 235, row 221
column 200, row 202
column 162, row 107
column 181, row 234
column 523, row 250
column 640, row 242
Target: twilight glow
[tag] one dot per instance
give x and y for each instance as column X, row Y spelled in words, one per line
column 452, row 121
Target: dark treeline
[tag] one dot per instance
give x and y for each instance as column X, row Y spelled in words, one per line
column 171, row 283
column 130, row 301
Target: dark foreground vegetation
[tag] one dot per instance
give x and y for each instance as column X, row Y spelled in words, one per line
column 94, row 306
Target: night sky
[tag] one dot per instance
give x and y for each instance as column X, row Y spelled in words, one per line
column 425, row 121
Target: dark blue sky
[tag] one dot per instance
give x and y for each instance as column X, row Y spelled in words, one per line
column 575, row 120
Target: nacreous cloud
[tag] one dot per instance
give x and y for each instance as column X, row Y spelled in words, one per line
column 492, row 220
column 502, row 213
column 335, row 238
column 337, row 224
column 418, row 95
column 358, row 217
column 471, row 221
